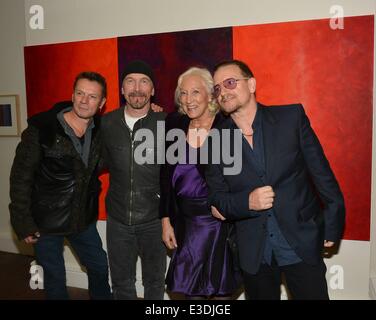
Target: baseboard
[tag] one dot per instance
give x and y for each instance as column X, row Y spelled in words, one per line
column 372, row 288
column 76, row 277
column 10, row 243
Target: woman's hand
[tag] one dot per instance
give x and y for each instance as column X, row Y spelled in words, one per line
column 168, row 234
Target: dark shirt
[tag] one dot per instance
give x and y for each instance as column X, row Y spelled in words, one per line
column 275, row 244
column 82, row 145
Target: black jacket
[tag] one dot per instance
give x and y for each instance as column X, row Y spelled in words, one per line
column 51, row 190
column 134, row 191
column 301, row 177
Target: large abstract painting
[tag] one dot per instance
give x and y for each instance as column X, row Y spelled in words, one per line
column 329, row 71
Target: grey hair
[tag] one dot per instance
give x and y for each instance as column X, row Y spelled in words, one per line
column 205, row 75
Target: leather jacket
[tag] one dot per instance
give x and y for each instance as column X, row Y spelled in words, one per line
column 134, row 191
column 51, row 189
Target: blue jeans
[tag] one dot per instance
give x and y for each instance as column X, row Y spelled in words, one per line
column 125, row 243
column 88, row 247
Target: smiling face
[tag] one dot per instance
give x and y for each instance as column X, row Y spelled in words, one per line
column 194, row 97
column 231, row 100
column 87, row 98
column 137, row 90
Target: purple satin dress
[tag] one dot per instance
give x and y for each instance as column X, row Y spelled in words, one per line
column 202, row 263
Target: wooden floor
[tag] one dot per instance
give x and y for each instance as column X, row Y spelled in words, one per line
column 15, row 278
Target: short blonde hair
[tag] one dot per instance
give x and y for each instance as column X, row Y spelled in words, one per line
column 205, row 75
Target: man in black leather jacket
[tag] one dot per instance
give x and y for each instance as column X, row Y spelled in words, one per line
column 54, row 187
column 132, row 202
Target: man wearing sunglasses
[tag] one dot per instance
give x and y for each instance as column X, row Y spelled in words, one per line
column 286, row 202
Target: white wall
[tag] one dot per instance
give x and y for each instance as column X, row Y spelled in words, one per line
column 12, row 81
column 73, row 20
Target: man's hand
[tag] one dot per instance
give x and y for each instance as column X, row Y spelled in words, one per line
column 32, row 239
column 261, row 198
column 168, row 234
column 156, row 108
column 215, row 213
column 328, row 244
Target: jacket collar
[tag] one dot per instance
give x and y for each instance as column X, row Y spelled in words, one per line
column 266, row 114
column 49, row 125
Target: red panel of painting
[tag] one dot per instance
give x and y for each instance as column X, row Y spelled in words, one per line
column 331, row 73
column 51, row 70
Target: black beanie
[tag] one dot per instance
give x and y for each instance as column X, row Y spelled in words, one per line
column 138, row 66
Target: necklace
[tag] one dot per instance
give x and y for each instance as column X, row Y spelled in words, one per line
column 199, row 128
column 205, row 126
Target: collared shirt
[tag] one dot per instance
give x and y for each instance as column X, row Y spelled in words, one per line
column 82, row 145
column 275, row 244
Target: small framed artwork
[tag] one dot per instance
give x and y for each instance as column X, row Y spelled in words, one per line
column 9, row 115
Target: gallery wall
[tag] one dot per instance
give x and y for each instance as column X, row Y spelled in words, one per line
column 72, row 21
column 290, row 63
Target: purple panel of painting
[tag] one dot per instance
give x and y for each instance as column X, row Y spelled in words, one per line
column 170, row 54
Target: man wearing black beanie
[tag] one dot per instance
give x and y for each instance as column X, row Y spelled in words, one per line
column 132, row 201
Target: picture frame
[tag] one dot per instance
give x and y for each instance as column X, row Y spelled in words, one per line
column 9, row 115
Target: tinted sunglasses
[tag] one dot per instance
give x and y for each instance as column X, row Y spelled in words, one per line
column 229, row 83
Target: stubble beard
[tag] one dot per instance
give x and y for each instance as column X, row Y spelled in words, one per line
column 229, row 108
column 83, row 114
column 137, row 100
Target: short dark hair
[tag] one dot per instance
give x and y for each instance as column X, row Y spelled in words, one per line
column 92, row 76
column 245, row 70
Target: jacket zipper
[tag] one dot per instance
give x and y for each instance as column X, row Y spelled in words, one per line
column 131, row 191
column 131, row 171
column 132, row 167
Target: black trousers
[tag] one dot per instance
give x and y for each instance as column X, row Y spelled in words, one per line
column 124, row 244
column 304, row 282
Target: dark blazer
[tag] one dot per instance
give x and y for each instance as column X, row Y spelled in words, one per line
column 308, row 205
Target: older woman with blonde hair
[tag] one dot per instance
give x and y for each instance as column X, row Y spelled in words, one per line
column 201, row 265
